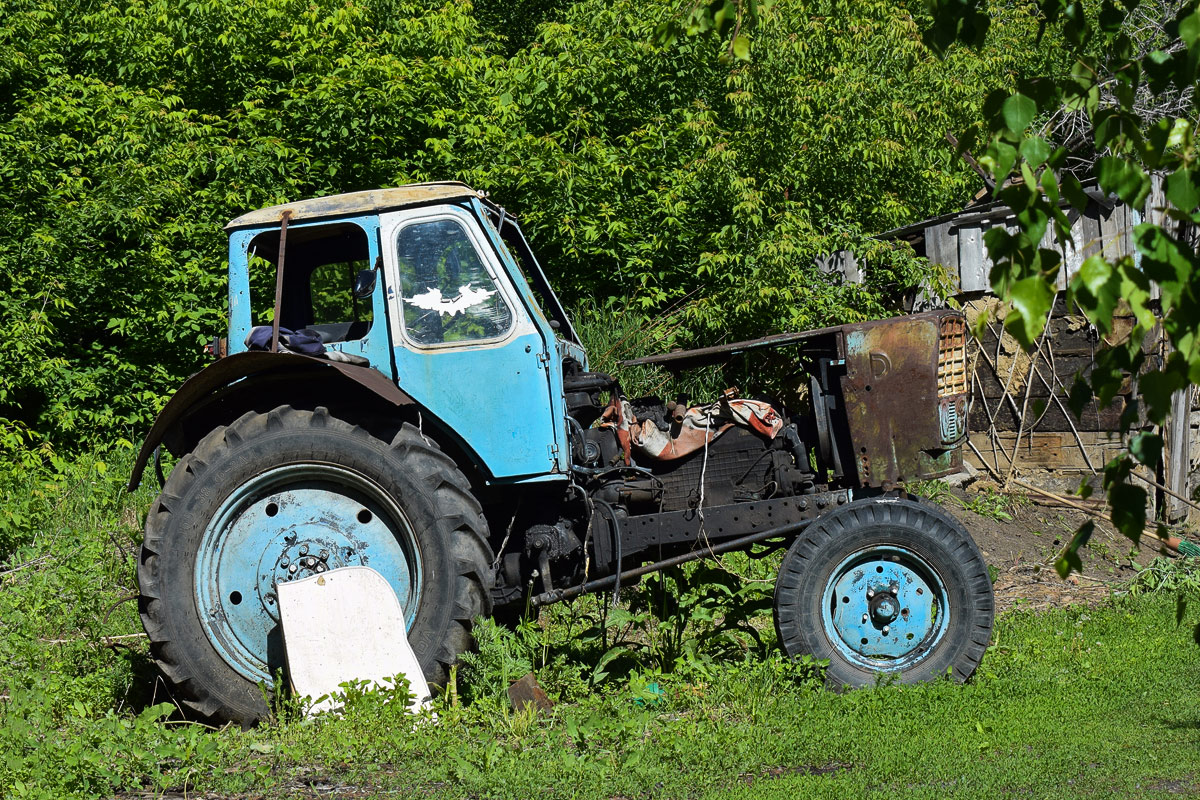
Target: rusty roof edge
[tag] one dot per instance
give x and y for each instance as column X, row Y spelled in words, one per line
column 370, row 200
column 984, row 211
column 704, row 354
column 686, row 359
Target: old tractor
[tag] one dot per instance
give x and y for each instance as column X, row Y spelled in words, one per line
column 400, row 388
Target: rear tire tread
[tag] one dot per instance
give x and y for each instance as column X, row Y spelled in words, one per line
column 459, row 519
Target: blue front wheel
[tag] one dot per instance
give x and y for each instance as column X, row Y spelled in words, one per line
column 885, row 587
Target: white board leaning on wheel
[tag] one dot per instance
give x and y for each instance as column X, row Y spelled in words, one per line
column 346, row 625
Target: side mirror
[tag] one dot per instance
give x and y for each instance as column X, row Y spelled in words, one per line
column 364, row 283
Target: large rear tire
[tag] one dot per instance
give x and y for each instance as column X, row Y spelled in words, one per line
column 283, row 495
column 889, row 587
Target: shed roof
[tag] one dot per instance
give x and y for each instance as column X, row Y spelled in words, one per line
column 370, row 201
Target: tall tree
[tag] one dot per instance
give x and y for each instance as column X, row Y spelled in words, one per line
column 131, row 131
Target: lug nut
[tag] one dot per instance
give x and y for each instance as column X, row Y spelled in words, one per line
column 321, row 568
column 870, row 593
column 324, row 554
column 292, row 569
column 310, row 562
column 895, row 589
column 283, row 562
column 885, row 630
column 303, row 549
column 865, row 617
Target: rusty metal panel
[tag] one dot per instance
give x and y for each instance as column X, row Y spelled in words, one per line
column 901, row 426
column 701, row 356
column 225, row 371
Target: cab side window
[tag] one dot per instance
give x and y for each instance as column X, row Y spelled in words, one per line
column 447, row 291
column 322, row 264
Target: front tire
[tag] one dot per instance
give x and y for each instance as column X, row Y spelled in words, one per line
column 283, row 495
column 887, row 587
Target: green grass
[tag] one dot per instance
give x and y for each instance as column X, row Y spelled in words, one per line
column 1101, row 702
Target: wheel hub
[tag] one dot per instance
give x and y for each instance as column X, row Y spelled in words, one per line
column 884, row 607
column 285, row 525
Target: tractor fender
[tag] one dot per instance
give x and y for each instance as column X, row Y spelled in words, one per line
column 205, row 387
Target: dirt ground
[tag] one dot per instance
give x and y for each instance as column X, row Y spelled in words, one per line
column 1023, row 550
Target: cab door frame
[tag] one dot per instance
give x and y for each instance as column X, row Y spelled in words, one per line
column 494, row 395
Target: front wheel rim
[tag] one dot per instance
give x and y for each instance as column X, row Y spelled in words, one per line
column 289, row 523
column 884, row 608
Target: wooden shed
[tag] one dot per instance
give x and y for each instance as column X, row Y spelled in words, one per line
column 1020, row 424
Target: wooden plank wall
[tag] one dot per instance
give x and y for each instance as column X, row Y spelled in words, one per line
column 959, row 247
column 1012, row 391
column 1002, row 364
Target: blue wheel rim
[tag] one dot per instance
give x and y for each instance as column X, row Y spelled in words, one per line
column 289, row 523
column 884, row 608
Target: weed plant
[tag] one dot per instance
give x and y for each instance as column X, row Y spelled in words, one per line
column 612, row 333
column 988, row 503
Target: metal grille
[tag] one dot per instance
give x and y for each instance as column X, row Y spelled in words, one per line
column 952, row 356
column 736, row 459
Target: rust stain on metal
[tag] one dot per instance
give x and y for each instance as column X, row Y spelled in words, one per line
column 904, row 390
column 904, row 385
column 527, row 692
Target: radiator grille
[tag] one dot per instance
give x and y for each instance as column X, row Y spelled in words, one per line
column 952, row 356
column 736, row 459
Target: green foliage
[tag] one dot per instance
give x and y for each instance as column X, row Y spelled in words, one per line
column 731, row 21
column 1131, row 82
column 502, row 657
column 988, row 503
column 935, row 490
column 644, row 174
column 683, row 624
column 1169, row 576
column 694, row 616
column 1179, row 577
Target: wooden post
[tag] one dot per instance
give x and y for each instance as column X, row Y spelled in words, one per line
column 1176, row 458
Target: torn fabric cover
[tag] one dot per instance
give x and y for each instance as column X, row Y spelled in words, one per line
column 700, row 425
column 306, row 342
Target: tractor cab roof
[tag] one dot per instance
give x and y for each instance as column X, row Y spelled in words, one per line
column 368, row 202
